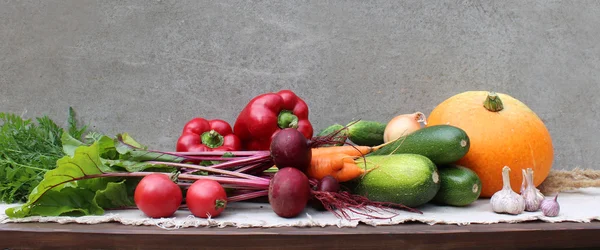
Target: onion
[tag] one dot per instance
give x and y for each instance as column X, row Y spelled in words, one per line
column 403, row 125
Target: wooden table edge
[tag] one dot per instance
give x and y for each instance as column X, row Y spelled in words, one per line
column 422, row 236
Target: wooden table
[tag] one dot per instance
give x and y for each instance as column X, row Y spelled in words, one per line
column 530, row 235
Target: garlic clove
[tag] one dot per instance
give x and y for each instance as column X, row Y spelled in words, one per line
column 550, row 207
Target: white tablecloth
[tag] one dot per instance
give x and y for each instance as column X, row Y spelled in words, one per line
column 576, row 206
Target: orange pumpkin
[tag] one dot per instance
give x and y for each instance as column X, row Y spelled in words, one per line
column 503, row 132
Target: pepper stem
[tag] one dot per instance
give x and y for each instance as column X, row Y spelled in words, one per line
column 287, row 119
column 493, row 102
column 212, row 139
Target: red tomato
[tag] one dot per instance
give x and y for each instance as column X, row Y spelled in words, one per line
column 206, row 198
column 157, row 196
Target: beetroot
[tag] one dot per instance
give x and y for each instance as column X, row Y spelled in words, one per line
column 326, row 184
column 289, row 192
column 289, row 148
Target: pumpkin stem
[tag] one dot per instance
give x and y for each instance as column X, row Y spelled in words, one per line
column 493, row 102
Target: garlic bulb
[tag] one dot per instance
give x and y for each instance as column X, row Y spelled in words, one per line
column 506, row 200
column 550, row 207
column 533, row 197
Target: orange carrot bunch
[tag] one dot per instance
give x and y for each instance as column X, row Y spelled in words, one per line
column 337, row 161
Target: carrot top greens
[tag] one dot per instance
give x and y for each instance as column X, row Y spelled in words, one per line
column 28, row 149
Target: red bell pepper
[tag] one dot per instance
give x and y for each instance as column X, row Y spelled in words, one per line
column 267, row 114
column 201, row 135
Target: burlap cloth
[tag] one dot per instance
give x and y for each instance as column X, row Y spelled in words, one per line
column 581, row 205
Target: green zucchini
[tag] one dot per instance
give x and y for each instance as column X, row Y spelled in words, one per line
column 366, row 133
column 408, row 179
column 442, row 144
column 459, row 186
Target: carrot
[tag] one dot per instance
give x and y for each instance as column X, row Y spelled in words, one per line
column 347, row 150
column 338, row 161
column 339, row 165
column 353, row 150
column 349, row 172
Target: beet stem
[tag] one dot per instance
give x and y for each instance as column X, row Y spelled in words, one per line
column 216, row 153
column 207, row 158
column 259, row 169
column 207, row 169
column 259, row 183
column 247, row 169
column 243, row 161
column 247, row 196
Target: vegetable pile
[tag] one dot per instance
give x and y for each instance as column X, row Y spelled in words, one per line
column 270, row 153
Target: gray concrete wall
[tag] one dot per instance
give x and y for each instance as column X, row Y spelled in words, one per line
column 146, row 67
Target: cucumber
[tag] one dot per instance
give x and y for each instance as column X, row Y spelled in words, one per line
column 442, row 144
column 338, row 137
column 366, row 133
column 331, row 129
column 459, row 186
column 408, row 179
